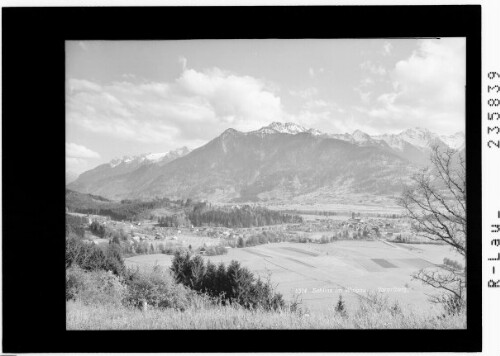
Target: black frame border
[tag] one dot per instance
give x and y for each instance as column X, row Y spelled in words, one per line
column 34, row 194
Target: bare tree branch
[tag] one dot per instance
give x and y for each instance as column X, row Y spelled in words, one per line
column 435, row 203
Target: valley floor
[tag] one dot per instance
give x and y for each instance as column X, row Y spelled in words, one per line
column 317, row 274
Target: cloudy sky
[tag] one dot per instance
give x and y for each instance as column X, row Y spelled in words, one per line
column 135, row 97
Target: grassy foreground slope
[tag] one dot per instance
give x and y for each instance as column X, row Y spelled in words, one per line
column 105, row 317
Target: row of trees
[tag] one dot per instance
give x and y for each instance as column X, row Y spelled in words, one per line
column 90, row 257
column 239, row 217
column 170, row 221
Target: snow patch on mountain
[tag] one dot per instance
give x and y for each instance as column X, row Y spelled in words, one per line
column 286, row 128
column 156, row 157
column 289, row 128
column 344, row 137
column 419, row 137
column 455, row 141
column 393, row 141
column 360, row 136
column 150, row 157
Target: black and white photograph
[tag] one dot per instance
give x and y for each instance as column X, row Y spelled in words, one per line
column 249, row 178
column 266, row 184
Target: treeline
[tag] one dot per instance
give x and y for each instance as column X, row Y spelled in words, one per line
column 309, row 212
column 341, row 213
column 127, row 209
column 238, row 217
column 133, row 211
column 273, row 237
column 258, row 239
column 175, row 220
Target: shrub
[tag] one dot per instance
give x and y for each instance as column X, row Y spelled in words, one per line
column 396, row 308
column 452, row 304
column 188, row 271
column 215, row 251
column 374, row 301
column 340, row 307
column 234, row 284
column 95, row 287
column 118, row 235
column 92, row 258
column 241, row 242
column 141, row 247
column 114, row 260
column 98, row 229
column 157, row 288
column 453, row 264
column 325, row 239
column 170, row 248
column 127, row 247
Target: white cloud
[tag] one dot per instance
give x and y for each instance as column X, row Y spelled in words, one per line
column 373, row 68
column 320, row 114
column 307, row 93
column 387, row 48
column 366, row 82
column 437, row 68
column 364, row 93
column 365, row 96
column 428, row 90
column 195, row 107
column 183, row 62
column 77, row 157
column 232, row 98
column 314, row 72
column 76, row 165
column 82, row 85
column 79, row 151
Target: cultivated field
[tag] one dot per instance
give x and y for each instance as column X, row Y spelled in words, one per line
column 319, row 273
column 341, row 204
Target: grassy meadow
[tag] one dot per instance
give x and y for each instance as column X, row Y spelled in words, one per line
column 105, row 317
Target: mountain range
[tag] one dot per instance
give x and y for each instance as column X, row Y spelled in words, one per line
column 281, row 161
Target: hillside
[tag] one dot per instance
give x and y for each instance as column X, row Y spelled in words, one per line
column 112, row 179
column 119, row 210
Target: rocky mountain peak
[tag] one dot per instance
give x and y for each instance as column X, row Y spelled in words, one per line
column 360, row 136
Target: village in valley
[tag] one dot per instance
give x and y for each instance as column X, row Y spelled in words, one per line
column 313, row 229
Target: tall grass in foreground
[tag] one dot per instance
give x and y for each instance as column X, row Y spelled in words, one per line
column 80, row 316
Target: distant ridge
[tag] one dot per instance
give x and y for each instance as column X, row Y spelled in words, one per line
column 281, row 161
